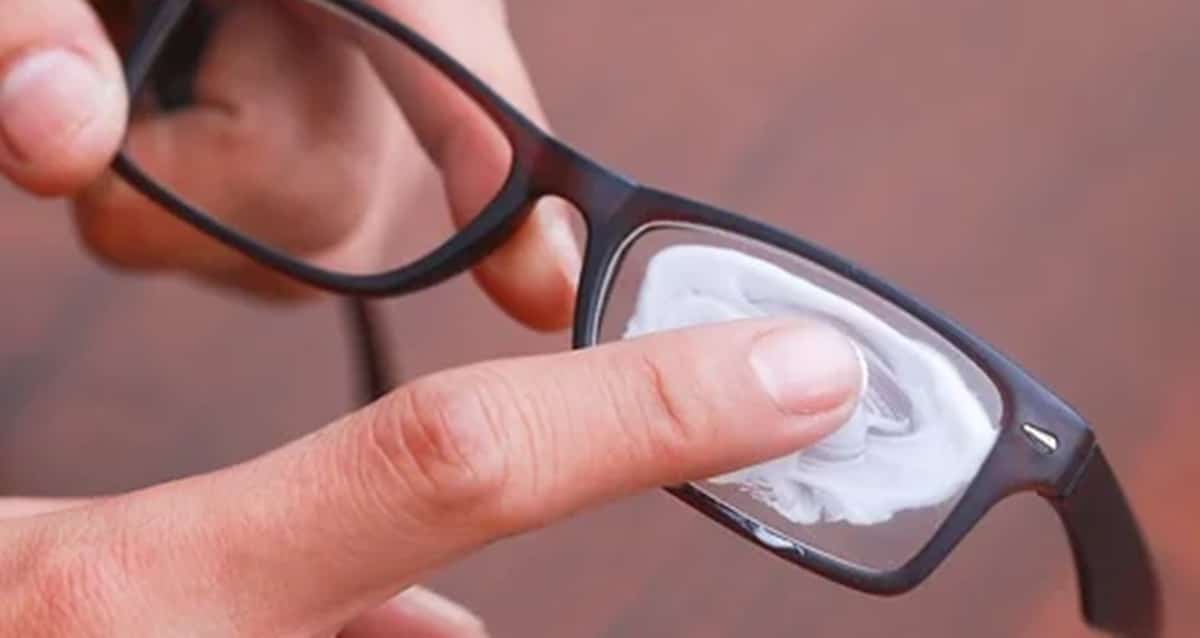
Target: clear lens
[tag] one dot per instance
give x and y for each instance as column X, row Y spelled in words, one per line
column 875, row 491
column 312, row 132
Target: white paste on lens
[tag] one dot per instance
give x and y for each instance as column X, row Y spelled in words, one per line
column 917, row 436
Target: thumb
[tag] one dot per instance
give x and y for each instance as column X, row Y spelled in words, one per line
column 303, row 540
column 62, row 96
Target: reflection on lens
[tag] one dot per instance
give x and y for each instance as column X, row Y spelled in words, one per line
column 874, row 491
column 307, row 130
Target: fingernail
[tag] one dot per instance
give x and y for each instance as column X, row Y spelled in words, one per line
column 449, row 616
column 555, row 218
column 45, row 98
column 808, row 368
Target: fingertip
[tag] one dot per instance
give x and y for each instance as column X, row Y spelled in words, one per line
column 546, row 306
column 808, row 367
column 553, row 225
column 62, row 116
column 797, row 379
column 535, row 275
column 418, row 612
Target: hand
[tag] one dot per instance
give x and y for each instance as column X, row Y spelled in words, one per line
column 311, row 539
column 264, row 91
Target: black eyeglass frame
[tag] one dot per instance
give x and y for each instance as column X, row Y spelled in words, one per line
column 1118, row 587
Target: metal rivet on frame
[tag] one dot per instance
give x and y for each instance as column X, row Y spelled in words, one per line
column 1044, row 441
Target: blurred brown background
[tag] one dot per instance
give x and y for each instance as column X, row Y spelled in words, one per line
column 1031, row 168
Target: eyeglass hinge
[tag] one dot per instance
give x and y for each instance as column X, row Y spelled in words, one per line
column 1076, row 471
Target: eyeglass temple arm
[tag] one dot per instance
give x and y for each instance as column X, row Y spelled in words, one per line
column 376, row 376
column 1117, row 584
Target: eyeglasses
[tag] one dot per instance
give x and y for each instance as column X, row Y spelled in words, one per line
column 946, row 427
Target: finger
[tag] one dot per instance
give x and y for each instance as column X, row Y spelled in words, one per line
column 14, row 507
column 533, row 275
column 258, row 150
column 417, row 613
column 62, row 96
column 452, row 461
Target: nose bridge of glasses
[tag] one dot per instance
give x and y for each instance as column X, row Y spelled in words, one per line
column 600, row 195
column 596, row 191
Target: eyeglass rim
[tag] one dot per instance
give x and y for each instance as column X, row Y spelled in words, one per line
column 1076, row 478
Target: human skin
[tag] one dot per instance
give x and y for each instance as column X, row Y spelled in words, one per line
column 328, row 535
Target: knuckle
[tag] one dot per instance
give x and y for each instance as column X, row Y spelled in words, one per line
column 66, row 590
column 76, row 589
column 442, row 440
column 674, row 421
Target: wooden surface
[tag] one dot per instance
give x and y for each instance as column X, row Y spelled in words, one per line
column 1030, row 168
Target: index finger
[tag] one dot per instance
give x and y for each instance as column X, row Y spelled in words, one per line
column 453, row 461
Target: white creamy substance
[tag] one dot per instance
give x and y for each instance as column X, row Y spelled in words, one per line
column 917, row 436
